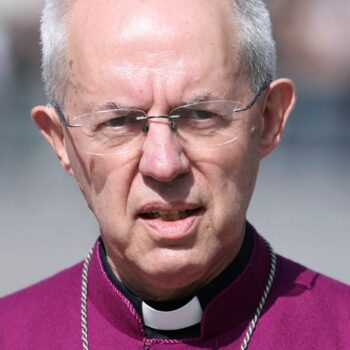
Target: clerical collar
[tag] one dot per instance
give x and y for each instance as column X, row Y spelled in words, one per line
column 181, row 318
column 186, row 316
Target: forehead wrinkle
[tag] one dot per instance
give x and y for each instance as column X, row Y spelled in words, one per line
column 144, row 71
column 202, row 97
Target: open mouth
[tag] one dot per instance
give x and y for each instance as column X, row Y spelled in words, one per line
column 170, row 215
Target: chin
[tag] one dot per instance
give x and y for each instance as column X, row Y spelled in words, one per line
column 174, row 270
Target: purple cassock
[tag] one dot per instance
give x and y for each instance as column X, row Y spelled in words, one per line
column 304, row 310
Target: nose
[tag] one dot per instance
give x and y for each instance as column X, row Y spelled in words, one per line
column 162, row 156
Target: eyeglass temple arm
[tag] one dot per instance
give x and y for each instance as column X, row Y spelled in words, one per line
column 59, row 111
column 61, row 115
column 256, row 98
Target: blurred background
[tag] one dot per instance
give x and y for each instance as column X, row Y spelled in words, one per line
column 302, row 199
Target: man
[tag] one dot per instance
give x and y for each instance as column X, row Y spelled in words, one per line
column 162, row 111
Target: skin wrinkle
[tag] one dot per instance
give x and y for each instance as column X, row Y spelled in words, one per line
column 143, row 80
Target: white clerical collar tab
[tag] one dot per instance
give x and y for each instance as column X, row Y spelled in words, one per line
column 186, row 316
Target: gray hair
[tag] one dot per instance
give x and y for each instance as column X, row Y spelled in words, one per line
column 258, row 51
column 53, row 31
column 258, row 48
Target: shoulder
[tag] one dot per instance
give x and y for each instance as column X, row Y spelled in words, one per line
column 41, row 305
column 302, row 289
column 316, row 284
column 61, row 284
column 310, row 310
column 311, row 298
column 302, row 283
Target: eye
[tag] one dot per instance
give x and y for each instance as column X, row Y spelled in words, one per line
column 201, row 114
column 116, row 122
column 120, row 118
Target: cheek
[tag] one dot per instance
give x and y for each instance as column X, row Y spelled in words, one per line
column 232, row 178
column 105, row 182
column 110, row 184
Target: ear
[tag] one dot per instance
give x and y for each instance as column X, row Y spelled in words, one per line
column 50, row 126
column 279, row 103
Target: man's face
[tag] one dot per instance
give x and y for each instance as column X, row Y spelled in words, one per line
column 171, row 217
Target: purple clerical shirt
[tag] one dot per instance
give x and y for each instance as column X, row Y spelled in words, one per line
column 305, row 310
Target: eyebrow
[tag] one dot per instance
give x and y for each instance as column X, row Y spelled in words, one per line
column 115, row 105
column 201, row 98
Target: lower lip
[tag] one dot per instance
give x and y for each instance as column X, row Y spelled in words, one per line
column 173, row 230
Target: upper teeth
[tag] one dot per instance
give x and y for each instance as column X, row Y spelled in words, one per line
column 173, row 212
column 169, row 215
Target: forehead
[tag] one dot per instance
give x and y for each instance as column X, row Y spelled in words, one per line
column 156, row 17
column 151, row 41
